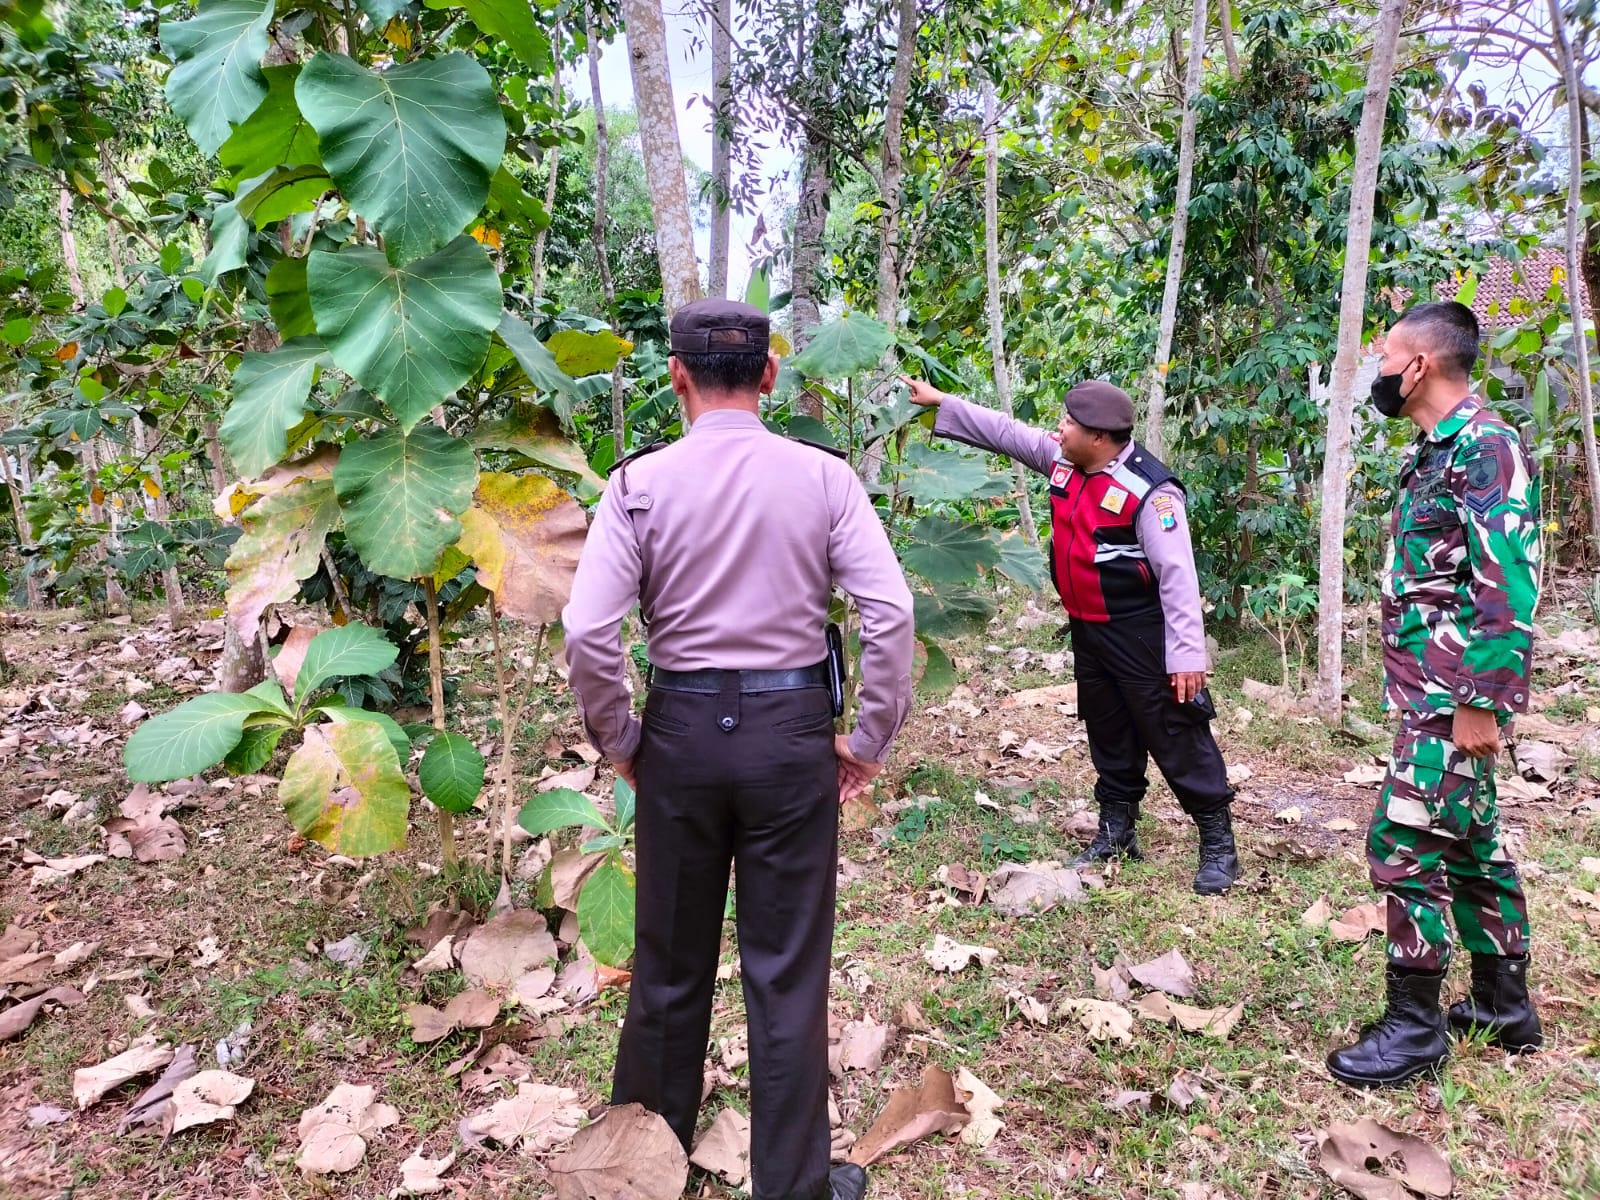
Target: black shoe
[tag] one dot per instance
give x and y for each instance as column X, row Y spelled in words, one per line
column 1407, row 1040
column 1498, row 1005
column 847, row 1182
column 1219, row 858
column 1116, row 838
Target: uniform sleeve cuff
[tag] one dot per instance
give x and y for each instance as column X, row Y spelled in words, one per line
column 1502, row 697
column 1183, row 663
column 867, row 749
column 627, row 743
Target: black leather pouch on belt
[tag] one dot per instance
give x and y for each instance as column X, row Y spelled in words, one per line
column 835, row 668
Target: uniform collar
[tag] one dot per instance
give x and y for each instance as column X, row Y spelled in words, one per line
column 1455, row 420
column 1120, row 458
column 718, row 419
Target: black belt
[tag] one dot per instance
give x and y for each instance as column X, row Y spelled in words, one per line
column 711, row 682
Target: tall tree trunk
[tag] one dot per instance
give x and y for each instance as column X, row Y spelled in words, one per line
column 1156, row 404
column 602, row 248
column 1566, row 55
column 243, row 663
column 810, row 223
column 15, row 487
column 219, row 470
column 1347, row 358
column 1225, row 26
column 997, row 328
column 1591, row 234
column 722, row 119
column 156, row 509
column 108, row 175
column 536, row 270
column 905, row 55
column 663, row 153
column 69, row 244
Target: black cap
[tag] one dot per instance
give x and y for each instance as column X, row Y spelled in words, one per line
column 1100, row 405
column 720, row 327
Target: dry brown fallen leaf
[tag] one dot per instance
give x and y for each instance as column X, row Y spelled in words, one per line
column 1103, row 1019
column 1292, row 815
column 630, row 1153
column 982, row 1103
column 1213, row 1022
column 500, row 952
column 333, row 1134
column 56, row 870
column 1340, row 825
column 1043, row 697
column 1027, row 889
column 476, row 1009
column 1514, row 789
column 421, row 1175
column 1365, row 775
column 1114, row 983
column 1354, row 1155
column 89, row 1084
column 577, row 779
column 863, row 1043
column 538, row 1118
column 568, row 871
column 963, row 881
column 1181, row 1094
column 27, row 968
column 1318, row 915
column 911, row 1114
column 153, row 1108
column 724, row 1148
column 499, row 1062
column 207, row 1097
column 1356, row 923
column 1543, row 761
column 948, row 955
column 15, row 1020
column 441, row 958
column 1170, row 973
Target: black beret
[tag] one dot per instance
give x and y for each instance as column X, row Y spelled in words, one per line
column 1100, row 405
column 720, row 327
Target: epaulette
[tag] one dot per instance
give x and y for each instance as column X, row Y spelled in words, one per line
column 823, row 446
column 639, row 453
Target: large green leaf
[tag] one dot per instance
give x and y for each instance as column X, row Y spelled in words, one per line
column 605, row 911
column 536, row 434
column 280, row 544
column 842, row 347
column 255, row 749
column 353, row 649
column 199, row 733
column 1020, row 562
column 230, row 243
column 412, row 148
column 625, row 802
column 343, row 788
column 939, row 676
column 411, row 335
column 945, row 551
column 538, row 364
column 451, row 772
column 510, row 22
column 559, row 808
column 267, row 198
column 216, row 79
column 952, row 612
column 401, row 494
column 398, row 738
column 288, row 299
column 269, row 399
column 275, row 134
column 939, row 476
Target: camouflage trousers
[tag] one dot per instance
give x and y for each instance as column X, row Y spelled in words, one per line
column 1434, row 846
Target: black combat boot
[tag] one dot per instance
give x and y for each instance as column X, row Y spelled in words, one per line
column 847, row 1182
column 1219, row 859
column 1407, row 1040
column 1499, row 1005
column 1117, row 837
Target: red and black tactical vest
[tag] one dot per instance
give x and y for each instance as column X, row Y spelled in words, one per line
column 1096, row 561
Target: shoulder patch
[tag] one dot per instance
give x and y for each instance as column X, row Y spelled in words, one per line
column 823, row 446
column 639, row 453
column 1482, row 469
column 1165, row 509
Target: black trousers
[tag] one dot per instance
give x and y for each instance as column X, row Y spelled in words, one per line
column 763, row 795
column 1125, row 700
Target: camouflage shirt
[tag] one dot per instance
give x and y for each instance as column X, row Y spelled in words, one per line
column 1463, row 577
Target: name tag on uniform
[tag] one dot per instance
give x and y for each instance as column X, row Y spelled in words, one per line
column 1114, row 500
column 1058, row 475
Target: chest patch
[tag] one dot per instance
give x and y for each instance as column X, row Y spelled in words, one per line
column 1165, row 510
column 1058, row 475
column 1115, row 500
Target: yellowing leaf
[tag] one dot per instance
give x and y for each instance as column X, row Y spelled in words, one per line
column 488, row 236
column 65, row 351
column 578, row 353
column 97, row 494
column 780, row 345
column 525, row 535
column 151, row 487
column 398, row 33
column 1092, row 154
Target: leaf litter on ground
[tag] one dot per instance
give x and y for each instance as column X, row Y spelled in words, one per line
column 912, row 1113
column 333, row 1134
column 630, row 1153
column 724, row 1148
column 1375, row 1162
column 537, row 1119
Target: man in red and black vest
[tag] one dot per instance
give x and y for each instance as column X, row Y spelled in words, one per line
column 1124, row 566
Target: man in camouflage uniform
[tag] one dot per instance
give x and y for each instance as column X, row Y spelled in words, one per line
column 1458, row 603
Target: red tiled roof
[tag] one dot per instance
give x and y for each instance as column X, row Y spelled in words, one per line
column 1498, row 285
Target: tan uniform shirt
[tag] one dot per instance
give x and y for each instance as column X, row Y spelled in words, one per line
column 1167, row 546
column 730, row 541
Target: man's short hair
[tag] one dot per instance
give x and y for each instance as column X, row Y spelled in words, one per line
column 1447, row 330
column 721, row 373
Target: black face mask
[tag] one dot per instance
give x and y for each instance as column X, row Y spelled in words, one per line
column 1386, row 395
